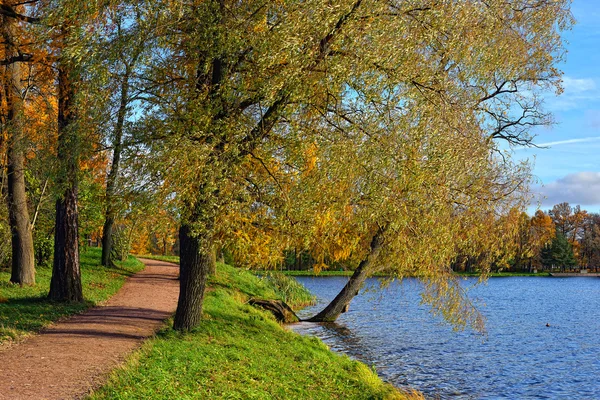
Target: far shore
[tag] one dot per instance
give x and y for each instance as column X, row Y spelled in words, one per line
column 465, row 274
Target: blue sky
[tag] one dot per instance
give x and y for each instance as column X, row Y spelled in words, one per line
column 569, row 169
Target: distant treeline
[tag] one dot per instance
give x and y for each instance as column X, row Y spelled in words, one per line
column 562, row 238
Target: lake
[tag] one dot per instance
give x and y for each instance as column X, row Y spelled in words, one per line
column 519, row 358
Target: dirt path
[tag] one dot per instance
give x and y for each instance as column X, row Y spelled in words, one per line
column 68, row 359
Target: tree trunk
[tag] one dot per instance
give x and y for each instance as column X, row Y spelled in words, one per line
column 23, row 269
column 111, row 182
column 196, row 260
column 65, row 284
column 66, row 276
column 107, row 237
column 342, row 301
column 280, row 310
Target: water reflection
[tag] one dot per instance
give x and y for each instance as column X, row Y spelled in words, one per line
column 520, row 358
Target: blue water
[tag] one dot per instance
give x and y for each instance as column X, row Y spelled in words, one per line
column 519, row 358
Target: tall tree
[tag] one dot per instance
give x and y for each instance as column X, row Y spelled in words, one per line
column 559, row 253
column 127, row 44
column 235, row 82
column 65, row 284
column 13, row 122
column 590, row 241
column 542, row 232
column 533, row 234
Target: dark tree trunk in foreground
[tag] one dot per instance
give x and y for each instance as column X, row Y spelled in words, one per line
column 66, row 276
column 342, row 301
column 23, row 268
column 65, row 284
column 196, row 261
column 195, row 264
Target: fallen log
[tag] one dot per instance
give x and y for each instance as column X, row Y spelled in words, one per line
column 282, row 312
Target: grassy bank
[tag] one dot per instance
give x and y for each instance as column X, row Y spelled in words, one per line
column 172, row 259
column 504, row 274
column 240, row 352
column 24, row 310
column 467, row 274
column 175, row 259
column 322, row 273
column 288, row 290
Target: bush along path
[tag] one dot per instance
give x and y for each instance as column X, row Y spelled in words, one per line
column 69, row 358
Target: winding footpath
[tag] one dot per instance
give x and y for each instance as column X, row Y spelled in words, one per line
column 70, row 358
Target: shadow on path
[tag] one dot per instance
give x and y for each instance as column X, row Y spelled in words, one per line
column 70, row 358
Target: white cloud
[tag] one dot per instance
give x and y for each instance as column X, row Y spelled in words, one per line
column 574, row 85
column 569, row 141
column 578, row 93
column 561, row 142
column 579, row 188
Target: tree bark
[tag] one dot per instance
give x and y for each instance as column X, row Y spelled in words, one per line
column 342, row 301
column 65, row 284
column 195, row 262
column 23, row 269
column 111, row 182
column 107, row 238
column 66, row 276
column 280, row 310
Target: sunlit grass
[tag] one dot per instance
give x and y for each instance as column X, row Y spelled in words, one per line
column 240, row 352
column 25, row 310
column 172, row 259
column 286, row 289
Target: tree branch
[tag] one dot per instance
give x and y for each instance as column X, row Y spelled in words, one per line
column 15, row 59
column 8, row 11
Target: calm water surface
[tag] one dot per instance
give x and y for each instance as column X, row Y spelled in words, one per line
column 519, row 358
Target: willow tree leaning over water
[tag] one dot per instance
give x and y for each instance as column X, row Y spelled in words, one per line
column 385, row 198
column 417, row 91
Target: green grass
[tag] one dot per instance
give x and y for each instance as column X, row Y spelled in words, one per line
column 327, row 273
column 310, row 272
column 240, row 352
column 503, row 274
column 288, row 290
column 25, row 310
column 349, row 273
column 172, row 259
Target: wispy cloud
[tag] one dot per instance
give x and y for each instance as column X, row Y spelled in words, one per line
column 569, row 141
column 578, row 188
column 578, row 92
column 575, row 85
column 562, row 142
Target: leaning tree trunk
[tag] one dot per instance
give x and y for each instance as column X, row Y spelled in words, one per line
column 23, row 269
column 196, row 261
column 65, row 284
column 342, row 301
